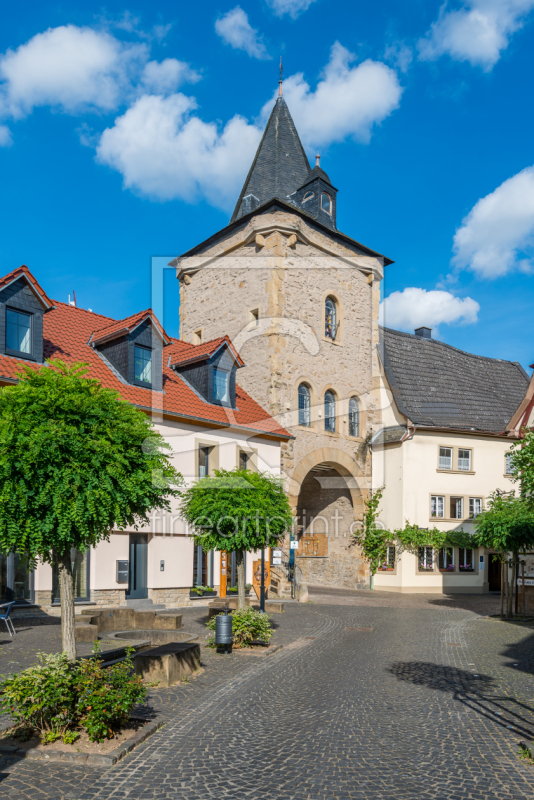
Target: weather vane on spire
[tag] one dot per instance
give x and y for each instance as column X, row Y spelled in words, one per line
column 280, row 78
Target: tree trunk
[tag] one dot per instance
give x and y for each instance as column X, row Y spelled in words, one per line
column 66, row 593
column 516, row 573
column 502, row 589
column 510, row 578
column 240, row 564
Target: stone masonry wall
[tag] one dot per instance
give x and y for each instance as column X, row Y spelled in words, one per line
column 289, row 282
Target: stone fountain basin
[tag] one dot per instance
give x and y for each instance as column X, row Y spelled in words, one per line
column 151, row 637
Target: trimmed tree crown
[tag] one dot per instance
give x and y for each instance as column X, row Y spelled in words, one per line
column 76, row 461
column 237, row 510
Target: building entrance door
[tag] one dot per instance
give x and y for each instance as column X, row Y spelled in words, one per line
column 494, row 574
column 137, row 579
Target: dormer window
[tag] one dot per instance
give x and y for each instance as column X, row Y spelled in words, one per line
column 326, row 203
column 18, row 331
column 307, row 196
column 143, row 364
column 221, row 386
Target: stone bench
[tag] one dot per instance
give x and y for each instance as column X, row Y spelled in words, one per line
column 169, row 663
column 123, row 618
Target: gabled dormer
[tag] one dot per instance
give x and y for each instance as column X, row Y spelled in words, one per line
column 134, row 347
column 22, row 306
column 210, row 369
column 317, row 197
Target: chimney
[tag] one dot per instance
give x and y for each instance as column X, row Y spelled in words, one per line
column 424, row 333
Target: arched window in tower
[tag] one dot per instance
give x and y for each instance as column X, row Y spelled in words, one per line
column 354, row 417
column 330, row 411
column 326, row 203
column 330, row 318
column 304, row 405
column 307, row 196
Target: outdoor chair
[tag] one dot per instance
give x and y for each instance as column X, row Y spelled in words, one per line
column 7, row 619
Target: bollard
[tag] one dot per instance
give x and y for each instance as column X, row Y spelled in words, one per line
column 223, row 631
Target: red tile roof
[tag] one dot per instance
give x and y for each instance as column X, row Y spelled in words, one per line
column 127, row 325
column 67, row 332
column 24, row 272
column 188, row 353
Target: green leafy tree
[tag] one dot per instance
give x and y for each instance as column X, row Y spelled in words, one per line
column 76, row 462
column 507, row 526
column 236, row 511
column 523, row 463
column 372, row 537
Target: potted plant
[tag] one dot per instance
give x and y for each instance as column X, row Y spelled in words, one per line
column 199, row 591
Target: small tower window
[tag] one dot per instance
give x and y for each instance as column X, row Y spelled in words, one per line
column 354, row 417
column 307, row 196
column 330, row 411
column 326, row 203
column 330, row 318
column 304, row 405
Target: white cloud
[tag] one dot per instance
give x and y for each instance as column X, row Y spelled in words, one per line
column 70, row 68
column 165, row 152
column 348, row 100
column 164, row 77
column 5, row 136
column 477, row 33
column 497, row 236
column 414, row 307
column 235, row 30
column 400, row 55
column 292, row 7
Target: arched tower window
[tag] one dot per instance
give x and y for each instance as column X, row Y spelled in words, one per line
column 326, row 203
column 304, row 405
column 307, row 196
column 330, row 411
column 330, row 318
column 354, row 417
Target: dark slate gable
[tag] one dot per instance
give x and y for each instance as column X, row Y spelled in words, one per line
column 280, row 165
column 200, row 374
column 120, row 353
column 436, row 385
column 317, row 183
column 20, row 297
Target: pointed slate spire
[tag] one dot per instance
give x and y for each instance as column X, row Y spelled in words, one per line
column 280, row 165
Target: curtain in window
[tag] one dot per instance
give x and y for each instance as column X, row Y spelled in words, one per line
column 304, row 405
column 329, row 411
column 354, row 417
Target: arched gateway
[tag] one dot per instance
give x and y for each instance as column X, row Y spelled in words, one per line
column 328, row 498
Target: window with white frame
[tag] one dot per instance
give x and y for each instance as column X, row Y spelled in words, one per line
column 426, row 559
column 388, row 563
column 475, row 507
column 509, row 468
column 457, row 508
column 466, row 561
column 464, row 460
column 445, row 457
column 221, row 385
column 437, row 506
column 446, row 559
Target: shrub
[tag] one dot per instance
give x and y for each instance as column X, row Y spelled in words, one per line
column 43, row 697
column 248, row 625
column 105, row 697
column 57, row 697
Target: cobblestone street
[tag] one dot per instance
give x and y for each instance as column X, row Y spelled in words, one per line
column 363, row 701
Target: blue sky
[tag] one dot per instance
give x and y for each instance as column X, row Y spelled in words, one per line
column 127, row 133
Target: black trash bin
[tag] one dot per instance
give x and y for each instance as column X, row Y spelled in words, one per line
column 223, row 632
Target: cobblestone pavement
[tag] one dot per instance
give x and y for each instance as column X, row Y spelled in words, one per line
column 364, row 702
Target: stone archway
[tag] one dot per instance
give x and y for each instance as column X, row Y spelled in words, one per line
column 328, row 496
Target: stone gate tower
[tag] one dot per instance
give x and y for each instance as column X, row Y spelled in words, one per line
column 300, row 301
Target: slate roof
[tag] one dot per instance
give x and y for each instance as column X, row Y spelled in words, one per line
column 280, row 166
column 437, row 385
column 24, row 272
column 66, row 334
column 317, row 172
